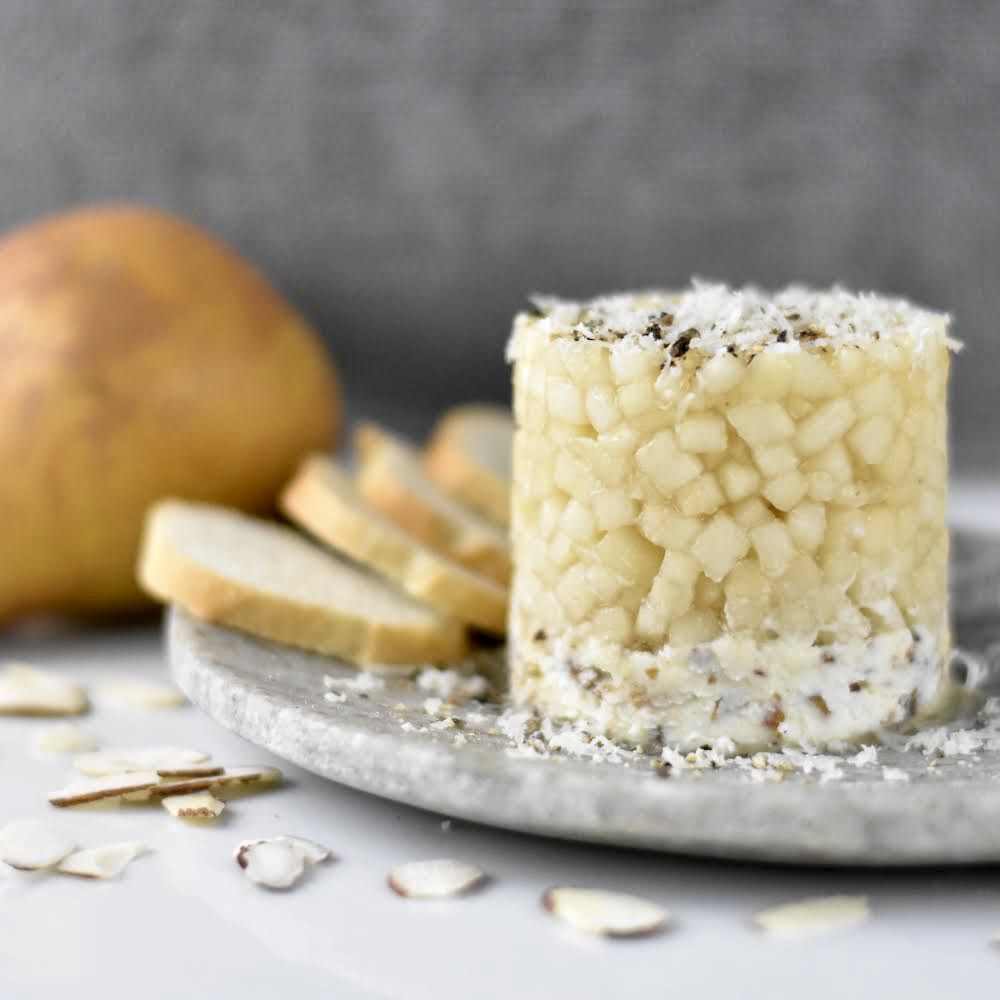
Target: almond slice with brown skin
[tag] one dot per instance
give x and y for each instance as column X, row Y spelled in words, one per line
column 108, row 786
column 607, row 914
column 192, row 771
column 279, row 862
column 123, row 760
column 107, row 861
column 194, row 805
column 437, row 879
column 27, row 691
column 28, row 845
column 232, row 779
column 810, row 917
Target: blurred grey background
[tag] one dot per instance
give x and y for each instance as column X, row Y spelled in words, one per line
column 407, row 173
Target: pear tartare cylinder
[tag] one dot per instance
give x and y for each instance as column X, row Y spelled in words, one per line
column 728, row 516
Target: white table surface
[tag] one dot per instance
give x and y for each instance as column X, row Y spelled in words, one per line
column 183, row 921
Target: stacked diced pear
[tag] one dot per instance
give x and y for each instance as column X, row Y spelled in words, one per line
column 789, row 492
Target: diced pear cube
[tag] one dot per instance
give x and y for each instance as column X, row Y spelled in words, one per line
column 738, row 480
column 897, row 460
column 872, row 397
column 806, row 524
column 761, row 422
column 561, row 551
column 698, row 625
column 822, row 486
column 565, row 401
column 603, row 583
column 586, row 363
column 578, row 522
column 707, row 593
column 663, row 526
column 774, row 546
column 798, row 407
column 601, row 405
column 613, row 509
column 775, row 459
column 786, row 490
column 701, row 433
column 870, row 439
column 879, row 534
column 634, row 364
column 840, row 567
column 630, row 555
column 574, row 477
column 670, row 594
column 610, row 457
column 751, row 512
column 720, row 546
column 611, row 624
column 720, row 374
column 813, row 377
column 699, row 497
column 549, row 514
column 834, row 460
column 574, row 595
column 768, row 377
column 801, row 579
column 748, row 594
column 824, row 425
column 662, row 460
column 636, row 399
column 844, row 527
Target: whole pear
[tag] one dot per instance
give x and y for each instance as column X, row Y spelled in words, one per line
column 140, row 357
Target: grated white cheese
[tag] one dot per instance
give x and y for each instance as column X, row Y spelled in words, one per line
column 452, row 684
column 361, row 683
column 716, row 316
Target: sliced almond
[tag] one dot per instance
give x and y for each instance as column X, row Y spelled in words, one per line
column 608, row 914
column 193, row 771
column 121, row 761
column 278, row 862
column 28, row 845
column 232, row 779
column 26, row 691
column 143, row 693
column 108, row 786
column 64, row 738
column 194, row 805
column 809, row 917
column 436, row 879
column 107, row 861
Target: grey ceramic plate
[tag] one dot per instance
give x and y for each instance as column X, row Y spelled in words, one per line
column 945, row 813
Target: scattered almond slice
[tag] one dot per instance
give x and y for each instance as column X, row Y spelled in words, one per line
column 107, row 861
column 193, row 805
column 278, row 862
column 436, row 879
column 818, row 915
column 28, row 845
column 121, row 761
column 64, row 738
column 26, row 691
column 192, row 771
column 108, row 786
column 143, row 693
column 232, row 779
column 608, row 914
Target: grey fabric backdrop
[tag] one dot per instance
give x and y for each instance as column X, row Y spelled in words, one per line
column 407, row 172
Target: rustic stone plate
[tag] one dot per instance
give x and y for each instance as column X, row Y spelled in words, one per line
column 947, row 811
